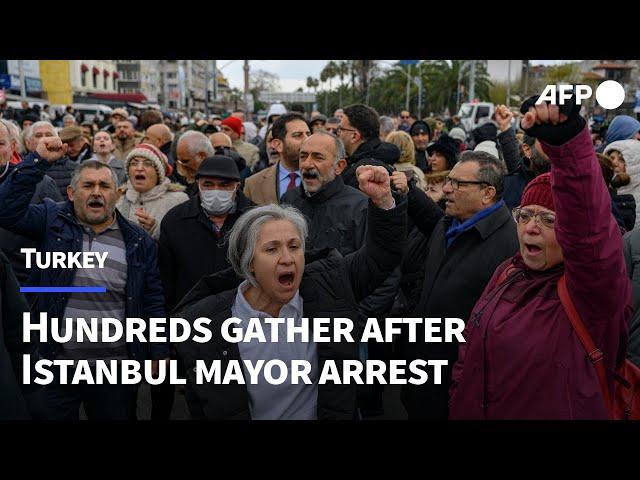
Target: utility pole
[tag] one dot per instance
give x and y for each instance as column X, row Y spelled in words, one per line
column 215, row 83
column 206, row 89
column 189, row 96
column 472, row 81
column 23, row 88
column 406, row 103
column 508, row 102
column 246, row 88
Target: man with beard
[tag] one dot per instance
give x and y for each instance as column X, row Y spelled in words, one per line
column 336, row 213
column 125, row 139
column 88, row 221
column 270, row 184
column 421, row 134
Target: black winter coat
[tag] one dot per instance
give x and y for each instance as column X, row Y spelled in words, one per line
column 371, row 152
column 11, row 243
column 17, row 401
column 62, row 172
column 189, row 248
column 337, row 216
column 453, row 281
column 331, row 287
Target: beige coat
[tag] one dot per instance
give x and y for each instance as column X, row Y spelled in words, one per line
column 157, row 202
column 262, row 188
column 121, row 150
column 248, row 151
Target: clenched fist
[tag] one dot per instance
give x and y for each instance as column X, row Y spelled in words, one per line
column 374, row 182
column 504, row 116
column 51, row 149
column 553, row 124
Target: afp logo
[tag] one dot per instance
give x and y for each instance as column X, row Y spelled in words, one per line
column 609, row 94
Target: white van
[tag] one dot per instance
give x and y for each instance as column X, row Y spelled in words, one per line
column 474, row 114
column 90, row 110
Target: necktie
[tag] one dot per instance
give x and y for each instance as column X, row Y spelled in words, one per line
column 292, row 181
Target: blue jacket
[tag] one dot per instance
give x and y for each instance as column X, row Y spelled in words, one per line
column 54, row 227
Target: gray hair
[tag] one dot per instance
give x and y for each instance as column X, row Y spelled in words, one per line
column 199, row 143
column 339, row 146
column 29, row 131
column 68, row 116
column 386, row 125
column 96, row 165
column 244, row 235
column 492, row 170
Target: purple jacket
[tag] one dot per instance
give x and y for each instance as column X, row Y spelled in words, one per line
column 522, row 358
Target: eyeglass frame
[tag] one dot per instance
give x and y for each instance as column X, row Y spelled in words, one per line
column 339, row 129
column 450, row 180
column 537, row 218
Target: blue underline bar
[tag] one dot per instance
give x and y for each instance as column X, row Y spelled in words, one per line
column 63, row 289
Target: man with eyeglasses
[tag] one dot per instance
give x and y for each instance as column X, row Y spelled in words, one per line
column 464, row 247
column 405, row 121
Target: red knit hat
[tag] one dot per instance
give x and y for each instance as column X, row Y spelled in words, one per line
column 234, row 123
column 538, row 192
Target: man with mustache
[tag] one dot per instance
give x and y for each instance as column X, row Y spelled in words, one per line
column 336, row 213
column 88, row 221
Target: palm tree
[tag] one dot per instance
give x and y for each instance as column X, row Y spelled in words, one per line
column 329, row 71
column 343, row 71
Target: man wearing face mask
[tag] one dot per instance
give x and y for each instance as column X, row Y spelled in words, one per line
column 193, row 234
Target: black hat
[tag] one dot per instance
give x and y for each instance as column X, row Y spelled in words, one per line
column 419, row 127
column 486, row 131
column 219, row 166
column 448, row 147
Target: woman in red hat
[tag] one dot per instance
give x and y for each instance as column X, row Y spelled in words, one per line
column 522, row 358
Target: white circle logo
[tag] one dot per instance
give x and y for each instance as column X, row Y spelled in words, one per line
column 610, row 94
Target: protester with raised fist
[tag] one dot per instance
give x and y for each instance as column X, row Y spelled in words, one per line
column 88, row 221
column 275, row 277
column 522, row 358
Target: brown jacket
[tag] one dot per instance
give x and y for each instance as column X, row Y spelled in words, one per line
column 121, row 150
column 262, row 187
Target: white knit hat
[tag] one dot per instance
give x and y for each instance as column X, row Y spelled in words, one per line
column 488, row 146
column 151, row 152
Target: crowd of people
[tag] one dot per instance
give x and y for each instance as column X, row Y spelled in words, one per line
column 353, row 215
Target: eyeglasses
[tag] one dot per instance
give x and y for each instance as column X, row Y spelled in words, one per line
column 455, row 183
column 523, row 216
column 340, row 129
column 404, row 118
column 146, row 162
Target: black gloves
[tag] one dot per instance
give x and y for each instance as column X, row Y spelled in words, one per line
column 562, row 132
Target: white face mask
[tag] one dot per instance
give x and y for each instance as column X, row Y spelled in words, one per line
column 216, row 202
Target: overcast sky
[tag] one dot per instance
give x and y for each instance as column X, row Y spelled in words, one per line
column 294, row 73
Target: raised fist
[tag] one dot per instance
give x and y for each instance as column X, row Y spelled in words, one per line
column 553, row 124
column 374, row 182
column 504, row 116
column 51, row 149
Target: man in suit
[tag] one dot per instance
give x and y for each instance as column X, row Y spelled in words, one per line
column 270, row 184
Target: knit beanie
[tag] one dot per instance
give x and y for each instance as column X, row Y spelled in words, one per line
column 538, row 192
column 151, row 152
column 234, row 124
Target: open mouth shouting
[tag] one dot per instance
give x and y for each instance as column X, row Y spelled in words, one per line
column 286, row 279
column 96, row 204
column 532, row 250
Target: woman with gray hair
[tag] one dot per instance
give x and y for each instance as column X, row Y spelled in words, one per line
column 274, row 277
